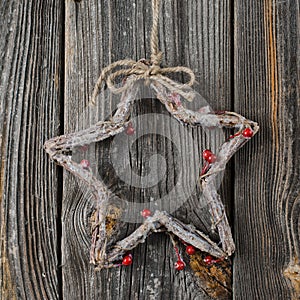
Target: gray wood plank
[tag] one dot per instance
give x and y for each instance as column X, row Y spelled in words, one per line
column 267, row 169
column 192, row 33
column 30, row 91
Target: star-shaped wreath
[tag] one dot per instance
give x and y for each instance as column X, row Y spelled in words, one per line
column 106, row 254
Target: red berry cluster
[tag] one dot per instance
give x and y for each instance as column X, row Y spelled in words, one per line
column 209, row 156
column 246, row 133
column 180, row 265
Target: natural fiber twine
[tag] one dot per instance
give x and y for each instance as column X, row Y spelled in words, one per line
column 144, row 69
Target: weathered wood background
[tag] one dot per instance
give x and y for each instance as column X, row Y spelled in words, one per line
column 246, row 58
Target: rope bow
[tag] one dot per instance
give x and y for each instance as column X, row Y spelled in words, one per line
column 145, row 69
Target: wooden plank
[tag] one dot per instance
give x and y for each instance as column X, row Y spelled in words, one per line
column 30, row 48
column 267, row 169
column 192, row 33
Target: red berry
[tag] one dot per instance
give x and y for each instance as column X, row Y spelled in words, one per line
column 247, row 133
column 179, row 265
column 130, row 130
column 190, row 250
column 208, row 260
column 127, row 260
column 206, row 154
column 211, row 159
column 146, row 213
column 209, row 156
column 85, row 163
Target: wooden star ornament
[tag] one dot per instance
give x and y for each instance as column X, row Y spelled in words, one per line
column 106, row 254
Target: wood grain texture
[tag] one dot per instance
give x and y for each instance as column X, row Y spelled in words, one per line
column 30, row 61
column 97, row 33
column 267, row 170
column 51, row 54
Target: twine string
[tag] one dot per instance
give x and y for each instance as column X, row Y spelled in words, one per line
column 144, row 69
column 156, row 54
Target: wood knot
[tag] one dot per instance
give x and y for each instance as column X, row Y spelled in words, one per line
column 292, row 272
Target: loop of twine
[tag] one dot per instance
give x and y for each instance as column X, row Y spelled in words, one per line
column 144, row 69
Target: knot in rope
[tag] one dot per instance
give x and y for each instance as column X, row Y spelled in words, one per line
column 145, row 69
